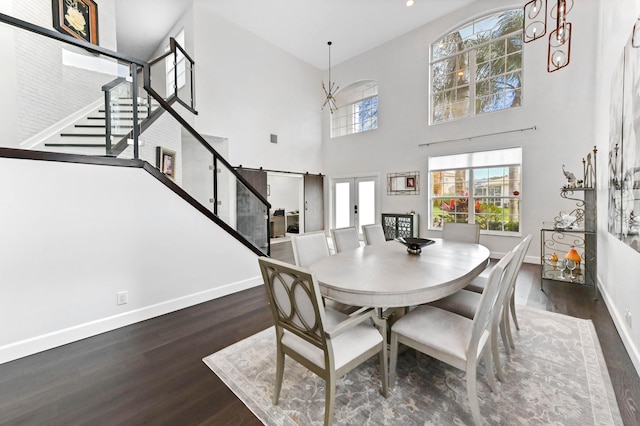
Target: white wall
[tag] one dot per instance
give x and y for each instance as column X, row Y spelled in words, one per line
column 551, row 101
column 249, row 89
column 43, row 98
column 618, row 265
column 73, row 235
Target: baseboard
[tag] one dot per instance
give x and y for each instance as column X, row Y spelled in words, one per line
column 48, row 341
column 618, row 321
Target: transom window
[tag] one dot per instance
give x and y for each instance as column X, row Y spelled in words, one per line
column 477, row 68
column 357, row 109
column 479, row 187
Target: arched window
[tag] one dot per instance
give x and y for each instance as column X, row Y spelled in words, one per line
column 357, row 109
column 477, row 68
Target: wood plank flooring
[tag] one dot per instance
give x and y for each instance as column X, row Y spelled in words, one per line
column 152, row 373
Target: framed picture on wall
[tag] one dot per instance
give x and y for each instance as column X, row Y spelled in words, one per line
column 166, row 161
column 77, row 18
column 411, row 182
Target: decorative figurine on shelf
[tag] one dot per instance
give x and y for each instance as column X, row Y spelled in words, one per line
column 554, row 260
column 589, row 169
column 571, row 178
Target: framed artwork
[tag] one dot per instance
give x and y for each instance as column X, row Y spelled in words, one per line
column 407, row 183
column 77, row 18
column 166, row 161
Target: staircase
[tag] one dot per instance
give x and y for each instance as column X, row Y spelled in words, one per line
column 88, row 134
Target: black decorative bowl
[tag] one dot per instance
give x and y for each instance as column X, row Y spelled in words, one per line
column 414, row 245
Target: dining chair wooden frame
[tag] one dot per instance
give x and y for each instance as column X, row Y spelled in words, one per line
column 465, row 303
column 327, row 342
column 452, row 338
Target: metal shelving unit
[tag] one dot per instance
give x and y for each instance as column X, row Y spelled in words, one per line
column 556, row 237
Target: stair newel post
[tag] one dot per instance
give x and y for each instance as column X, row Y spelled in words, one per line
column 136, row 124
column 193, row 85
column 107, row 120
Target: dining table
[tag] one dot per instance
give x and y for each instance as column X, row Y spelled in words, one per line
column 386, row 275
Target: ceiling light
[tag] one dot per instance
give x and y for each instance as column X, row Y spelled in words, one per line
column 535, row 26
column 409, row 3
column 330, row 99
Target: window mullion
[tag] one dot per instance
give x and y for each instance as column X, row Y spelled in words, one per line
column 472, row 82
column 471, row 204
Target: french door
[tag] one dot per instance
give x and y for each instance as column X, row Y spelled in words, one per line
column 354, row 202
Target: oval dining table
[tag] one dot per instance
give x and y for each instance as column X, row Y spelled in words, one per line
column 387, row 276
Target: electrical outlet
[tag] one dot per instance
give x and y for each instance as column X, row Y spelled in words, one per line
column 122, row 297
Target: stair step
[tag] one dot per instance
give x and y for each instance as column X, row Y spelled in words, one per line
column 90, row 135
column 76, row 145
column 115, row 118
column 90, row 126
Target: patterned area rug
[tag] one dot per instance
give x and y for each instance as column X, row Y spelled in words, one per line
column 556, row 375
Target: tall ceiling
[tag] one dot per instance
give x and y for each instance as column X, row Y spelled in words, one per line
column 300, row 27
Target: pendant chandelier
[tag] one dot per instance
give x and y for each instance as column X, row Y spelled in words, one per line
column 329, row 94
column 535, row 26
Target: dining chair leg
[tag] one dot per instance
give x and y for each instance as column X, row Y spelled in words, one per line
column 488, row 362
column 279, row 374
column 471, row 391
column 330, row 395
column 505, row 331
column 496, row 353
column 512, row 305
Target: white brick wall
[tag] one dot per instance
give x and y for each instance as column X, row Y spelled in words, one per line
column 47, row 90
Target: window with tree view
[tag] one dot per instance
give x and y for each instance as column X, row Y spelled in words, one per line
column 483, row 193
column 477, row 68
column 357, row 109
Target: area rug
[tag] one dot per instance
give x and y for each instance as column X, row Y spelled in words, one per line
column 555, row 376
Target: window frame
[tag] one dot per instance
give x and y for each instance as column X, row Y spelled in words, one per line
column 471, row 69
column 472, row 195
column 342, row 122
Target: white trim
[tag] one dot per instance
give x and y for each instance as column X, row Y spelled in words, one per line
column 619, row 322
column 58, row 127
column 54, row 339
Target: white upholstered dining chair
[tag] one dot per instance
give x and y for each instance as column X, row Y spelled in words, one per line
column 465, row 303
column 452, row 338
column 463, row 232
column 327, row 342
column 307, row 248
column 345, row 239
column 373, row 234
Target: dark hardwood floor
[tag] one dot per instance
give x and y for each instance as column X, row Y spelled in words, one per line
column 152, row 373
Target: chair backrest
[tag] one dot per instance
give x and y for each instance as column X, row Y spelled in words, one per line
column 307, row 248
column 511, row 274
column 295, row 300
column 373, row 234
column 488, row 302
column 463, row 232
column 345, row 239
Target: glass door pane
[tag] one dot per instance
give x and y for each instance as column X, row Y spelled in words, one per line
column 366, row 203
column 343, row 204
